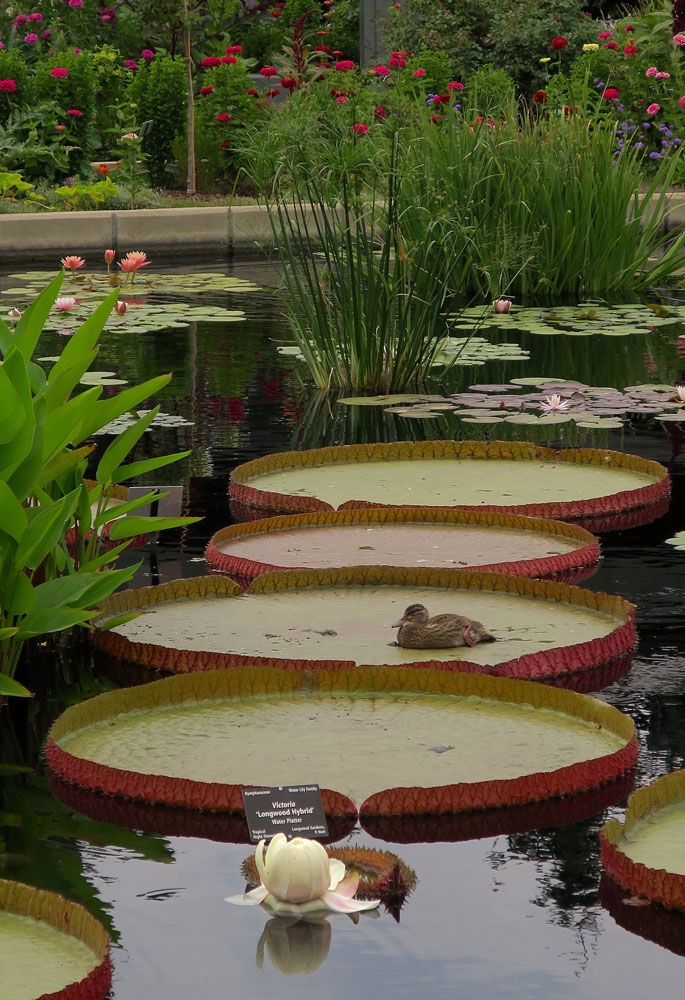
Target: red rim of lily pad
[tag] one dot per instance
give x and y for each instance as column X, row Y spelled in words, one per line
column 68, row 918
column 558, row 661
column 663, row 927
column 224, row 797
column 654, row 884
column 616, row 503
column 574, row 564
column 452, row 827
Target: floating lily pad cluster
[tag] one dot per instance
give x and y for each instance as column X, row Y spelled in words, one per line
column 464, row 351
column 583, row 320
column 140, row 315
column 553, row 401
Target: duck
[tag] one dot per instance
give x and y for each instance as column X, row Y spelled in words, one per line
column 417, row 630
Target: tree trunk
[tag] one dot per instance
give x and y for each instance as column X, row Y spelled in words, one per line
column 190, row 188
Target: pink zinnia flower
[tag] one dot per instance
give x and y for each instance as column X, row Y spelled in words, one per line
column 72, row 262
column 59, row 72
column 681, row 101
column 559, row 43
column 344, row 65
column 653, row 109
column 75, row 113
column 663, row 76
column 380, row 71
column 206, row 90
column 7, row 86
column 19, row 21
column 31, row 39
column 679, row 39
column 35, row 17
column 131, row 65
column 652, row 71
column 360, row 129
column 630, row 50
column 147, row 54
column 604, row 34
column 610, row 94
column 455, row 85
column 611, row 45
column 76, row 3
column 419, row 72
column 341, row 100
column 223, row 118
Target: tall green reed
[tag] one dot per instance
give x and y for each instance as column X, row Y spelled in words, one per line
column 367, row 271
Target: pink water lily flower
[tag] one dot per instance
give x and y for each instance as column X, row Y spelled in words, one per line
column 65, row 303
column 501, row 305
column 72, row 263
column 554, row 404
column 298, row 877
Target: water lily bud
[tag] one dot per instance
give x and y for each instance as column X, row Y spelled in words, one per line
column 110, row 256
column 14, row 313
column 293, row 872
column 501, row 305
column 120, row 307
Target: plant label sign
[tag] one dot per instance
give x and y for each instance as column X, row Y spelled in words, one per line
column 295, row 810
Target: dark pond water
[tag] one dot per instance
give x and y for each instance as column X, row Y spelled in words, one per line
column 513, row 915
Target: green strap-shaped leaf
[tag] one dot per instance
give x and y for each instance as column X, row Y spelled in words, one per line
column 6, row 338
column 12, row 412
column 44, row 620
column 58, row 389
column 14, row 451
column 117, row 451
column 115, row 511
column 47, row 527
column 30, row 326
column 79, row 348
column 88, row 589
column 24, row 480
column 12, row 515
column 63, row 427
column 146, row 465
column 62, row 464
column 106, row 410
column 18, row 593
column 129, row 527
column 8, row 686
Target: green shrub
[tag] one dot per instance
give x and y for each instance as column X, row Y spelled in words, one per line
column 73, row 92
column 157, row 93
column 13, row 68
column 488, row 93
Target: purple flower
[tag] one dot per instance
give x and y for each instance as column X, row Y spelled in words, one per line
column 655, row 156
column 131, row 64
column 147, row 54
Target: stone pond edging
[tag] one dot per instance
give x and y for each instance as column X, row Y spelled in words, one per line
column 218, row 230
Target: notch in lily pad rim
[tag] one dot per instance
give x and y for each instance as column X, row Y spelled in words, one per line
column 654, row 884
column 542, row 664
column 644, row 496
column 464, row 796
column 67, row 918
column 570, row 565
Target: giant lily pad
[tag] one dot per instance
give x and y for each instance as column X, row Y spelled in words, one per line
column 503, row 543
column 498, row 476
column 300, row 619
column 664, row 927
column 50, row 948
column 452, row 741
column 646, row 853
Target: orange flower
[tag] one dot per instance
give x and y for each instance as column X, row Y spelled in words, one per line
column 72, row 263
column 103, row 169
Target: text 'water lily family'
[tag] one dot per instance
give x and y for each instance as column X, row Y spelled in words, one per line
column 298, row 877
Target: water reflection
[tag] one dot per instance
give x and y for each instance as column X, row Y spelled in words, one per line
column 295, row 945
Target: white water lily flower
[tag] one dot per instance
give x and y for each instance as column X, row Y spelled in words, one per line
column 298, row 877
column 554, row 404
column 65, row 303
column 680, row 393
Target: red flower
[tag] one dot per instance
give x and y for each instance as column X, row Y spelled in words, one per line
column 455, row 85
column 604, row 34
column 7, row 86
column 611, row 45
column 379, row 113
column 224, row 143
column 344, row 65
column 540, row 97
column 275, row 13
column 234, row 50
column 59, row 72
column 75, row 113
column 360, row 129
column 211, row 61
column 397, row 62
column 289, row 82
column 252, row 92
column 610, row 94
column 60, row 128
column 223, row 118
column 102, row 169
column 206, row 90
column 268, row 71
column 322, row 48
column 419, row 72
column 559, row 43
column 230, row 60
column 273, row 92
column 630, row 50
column 628, row 27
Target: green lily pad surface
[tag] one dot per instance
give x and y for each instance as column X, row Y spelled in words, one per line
column 463, row 482
column 37, row 959
column 354, row 743
column 658, row 841
column 583, row 320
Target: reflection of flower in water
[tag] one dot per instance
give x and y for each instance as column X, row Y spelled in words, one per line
column 295, row 946
column 298, row 877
